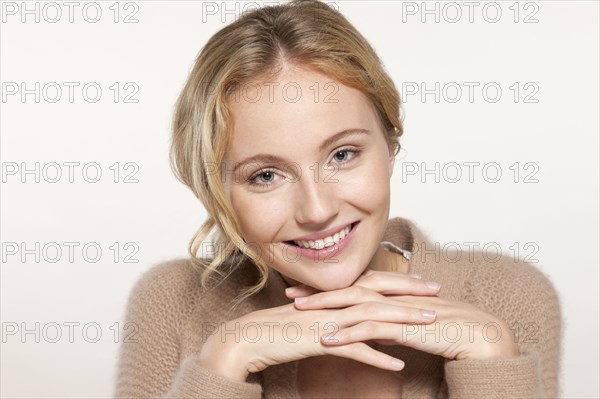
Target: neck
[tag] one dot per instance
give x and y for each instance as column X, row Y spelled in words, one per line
column 388, row 261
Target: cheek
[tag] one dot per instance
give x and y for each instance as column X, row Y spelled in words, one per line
column 260, row 215
column 369, row 185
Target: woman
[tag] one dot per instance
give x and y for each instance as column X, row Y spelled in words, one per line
column 287, row 130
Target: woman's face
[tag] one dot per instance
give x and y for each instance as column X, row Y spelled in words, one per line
column 307, row 173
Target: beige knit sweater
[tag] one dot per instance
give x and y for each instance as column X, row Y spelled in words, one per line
column 173, row 316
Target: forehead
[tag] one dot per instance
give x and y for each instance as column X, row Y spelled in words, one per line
column 297, row 106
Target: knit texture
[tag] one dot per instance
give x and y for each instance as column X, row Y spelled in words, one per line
column 173, row 316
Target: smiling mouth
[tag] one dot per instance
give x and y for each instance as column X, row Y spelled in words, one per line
column 324, row 242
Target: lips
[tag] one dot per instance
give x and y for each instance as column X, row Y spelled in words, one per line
column 326, row 241
column 322, row 248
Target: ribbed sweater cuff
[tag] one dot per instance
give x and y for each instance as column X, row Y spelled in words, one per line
column 515, row 377
column 196, row 381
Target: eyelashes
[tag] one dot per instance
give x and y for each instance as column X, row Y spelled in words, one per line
column 254, row 180
column 271, row 174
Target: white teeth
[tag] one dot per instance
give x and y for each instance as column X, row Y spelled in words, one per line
column 325, row 242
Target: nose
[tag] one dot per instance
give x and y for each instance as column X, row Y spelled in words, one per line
column 316, row 200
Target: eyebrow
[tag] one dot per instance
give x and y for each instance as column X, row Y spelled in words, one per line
column 269, row 158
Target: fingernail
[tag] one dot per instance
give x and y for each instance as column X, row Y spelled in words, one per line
column 433, row 285
column 290, row 290
column 417, row 276
column 301, row 300
column 398, row 364
column 428, row 314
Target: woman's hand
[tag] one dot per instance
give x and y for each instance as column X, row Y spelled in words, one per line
column 460, row 330
column 283, row 334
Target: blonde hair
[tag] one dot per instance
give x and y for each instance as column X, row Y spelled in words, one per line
column 302, row 32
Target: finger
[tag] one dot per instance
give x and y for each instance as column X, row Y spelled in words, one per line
column 300, row 291
column 355, row 295
column 387, row 283
column 382, row 312
column 341, row 298
column 365, row 354
column 368, row 330
column 434, row 341
column 370, row 271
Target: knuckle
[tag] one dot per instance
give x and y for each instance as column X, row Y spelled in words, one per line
column 377, row 278
column 314, row 300
column 369, row 327
column 374, row 279
column 355, row 292
column 370, row 308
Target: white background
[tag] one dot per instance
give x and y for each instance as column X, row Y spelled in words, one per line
column 557, row 135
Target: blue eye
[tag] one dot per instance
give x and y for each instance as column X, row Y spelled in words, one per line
column 262, row 178
column 341, row 155
column 344, row 156
column 267, row 176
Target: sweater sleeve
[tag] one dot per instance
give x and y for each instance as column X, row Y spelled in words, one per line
column 526, row 300
column 150, row 364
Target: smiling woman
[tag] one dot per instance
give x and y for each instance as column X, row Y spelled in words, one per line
column 339, row 183
column 311, row 291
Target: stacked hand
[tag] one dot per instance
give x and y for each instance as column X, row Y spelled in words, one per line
column 385, row 307
column 461, row 330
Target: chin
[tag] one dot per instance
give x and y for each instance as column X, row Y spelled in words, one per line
column 336, row 285
column 335, row 282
